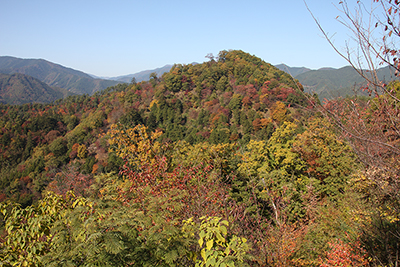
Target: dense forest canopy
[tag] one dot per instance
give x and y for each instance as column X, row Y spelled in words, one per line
column 224, row 163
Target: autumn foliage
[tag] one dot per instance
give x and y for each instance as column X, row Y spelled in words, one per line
column 223, row 162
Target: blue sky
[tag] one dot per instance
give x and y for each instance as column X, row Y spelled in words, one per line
column 112, row 38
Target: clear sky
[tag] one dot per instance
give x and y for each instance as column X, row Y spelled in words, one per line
column 113, row 38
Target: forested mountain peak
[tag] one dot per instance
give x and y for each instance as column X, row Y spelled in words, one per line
column 211, row 97
column 293, row 71
column 235, row 97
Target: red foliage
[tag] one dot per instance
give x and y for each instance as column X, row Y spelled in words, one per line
column 204, row 134
column 205, row 92
column 185, row 191
column 25, row 180
column 370, row 127
column 51, row 136
column 247, row 90
column 226, row 98
column 70, row 179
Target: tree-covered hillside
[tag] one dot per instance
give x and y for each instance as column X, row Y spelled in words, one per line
column 20, row 89
column 225, row 163
column 233, row 99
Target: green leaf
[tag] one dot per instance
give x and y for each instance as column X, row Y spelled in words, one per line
column 227, row 251
column 202, row 234
column 220, row 238
column 210, row 262
column 223, row 230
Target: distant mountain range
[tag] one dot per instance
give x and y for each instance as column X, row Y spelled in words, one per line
column 330, row 83
column 143, row 75
column 54, row 75
column 293, row 71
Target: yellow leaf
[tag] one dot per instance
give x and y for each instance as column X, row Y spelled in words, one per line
column 201, row 241
column 209, row 244
column 203, row 254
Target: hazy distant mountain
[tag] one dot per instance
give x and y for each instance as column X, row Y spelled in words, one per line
column 19, row 88
column 294, row 71
column 143, row 75
column 54, row 74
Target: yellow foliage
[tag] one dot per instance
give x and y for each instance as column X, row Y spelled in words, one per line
column 82, row 151
column 135, row 144
column 216, row 155
column 255, row 156
column 155, row 101
column 263, row 96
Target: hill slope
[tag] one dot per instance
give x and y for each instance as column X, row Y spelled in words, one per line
column 20, row 89
column 54, row 75
column 235, row 99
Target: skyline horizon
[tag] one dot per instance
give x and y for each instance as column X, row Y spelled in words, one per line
column 167, row 64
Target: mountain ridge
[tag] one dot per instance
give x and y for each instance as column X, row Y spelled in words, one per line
column 142, row 75
column 54, row 74
column 17, row 89
column 345, row 81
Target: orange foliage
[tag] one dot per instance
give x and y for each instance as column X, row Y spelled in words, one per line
column 278, row 112
column 257, row 124
column 344, row 254
column 246, row 101
column 261, row 123
column 74, row 151
column 95, row 168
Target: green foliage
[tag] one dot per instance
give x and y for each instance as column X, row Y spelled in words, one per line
column 58, row 147
column 329, row 160
column 282, row 173
column 28, row 230
column 217, row 248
